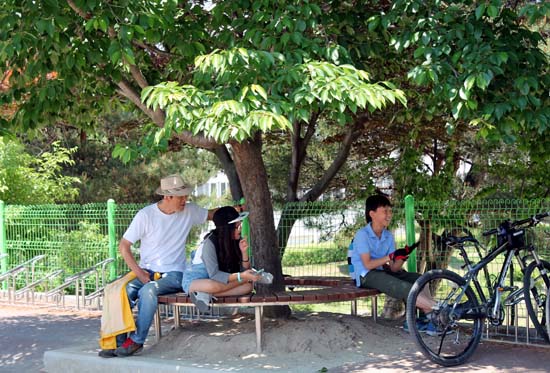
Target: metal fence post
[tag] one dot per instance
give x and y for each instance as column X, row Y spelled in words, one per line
column 409, row 231
column 111, row 207
column 245, row 232
column 3, row 248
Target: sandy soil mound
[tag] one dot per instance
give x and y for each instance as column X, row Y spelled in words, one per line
column 305, row 341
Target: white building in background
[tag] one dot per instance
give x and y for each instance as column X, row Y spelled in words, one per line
column 216, row 186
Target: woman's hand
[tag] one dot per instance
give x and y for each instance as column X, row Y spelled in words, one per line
column 243, row 245
column 250, row 275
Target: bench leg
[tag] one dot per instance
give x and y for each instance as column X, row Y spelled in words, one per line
column 354, row 307
column 156, row 322
column 176, row 310
column 374, row 309
column 258, row 313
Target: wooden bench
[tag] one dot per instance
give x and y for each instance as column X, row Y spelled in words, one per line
column 302, row 290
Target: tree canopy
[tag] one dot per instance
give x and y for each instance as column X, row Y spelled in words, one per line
column 233, row 76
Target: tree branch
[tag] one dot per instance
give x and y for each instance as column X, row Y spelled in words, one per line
column 299, row 147
column 152, row 49
column 129, row 92
column 294, row 174
column 138, row 76
column 340, row 159
column 78, row 11
column 230, row 171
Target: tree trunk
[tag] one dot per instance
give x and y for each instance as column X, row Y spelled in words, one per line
column 253, row 176
column 393, row 308
column 436, row 253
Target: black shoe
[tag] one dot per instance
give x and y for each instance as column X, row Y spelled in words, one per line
column 129, row 348
column 107, row 353
column 462, row 310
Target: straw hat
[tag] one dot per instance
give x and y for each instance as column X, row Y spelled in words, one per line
column 173, row 185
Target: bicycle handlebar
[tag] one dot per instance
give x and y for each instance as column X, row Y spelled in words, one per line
column 533, row 220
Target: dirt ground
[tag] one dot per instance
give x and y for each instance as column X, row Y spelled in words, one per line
column 27, row 332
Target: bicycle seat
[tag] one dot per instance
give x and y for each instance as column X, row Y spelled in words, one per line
column 454, row 240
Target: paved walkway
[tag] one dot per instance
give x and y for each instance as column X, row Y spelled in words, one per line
column 27, row 333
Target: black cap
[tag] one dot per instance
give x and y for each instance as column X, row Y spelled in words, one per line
column 224, row 216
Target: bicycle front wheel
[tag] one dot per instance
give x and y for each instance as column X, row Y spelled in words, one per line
column 450, row 339
column 535, row 282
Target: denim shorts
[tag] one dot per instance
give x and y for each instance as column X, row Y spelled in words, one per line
column 195, row 272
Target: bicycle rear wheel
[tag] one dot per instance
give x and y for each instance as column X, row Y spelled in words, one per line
column 455, row 340
column 548, row 311
column 535, row 282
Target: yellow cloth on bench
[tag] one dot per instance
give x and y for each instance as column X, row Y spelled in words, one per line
column 116, row 317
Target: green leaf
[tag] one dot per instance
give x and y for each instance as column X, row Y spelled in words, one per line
column 419, row 52
column 259, row 90
column 296, row 37
column 129, row 56
column 469, row 82
column 373, row 23
column 480, row 10
column 492, row 11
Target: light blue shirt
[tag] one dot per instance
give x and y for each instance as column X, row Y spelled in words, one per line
column 366, row 241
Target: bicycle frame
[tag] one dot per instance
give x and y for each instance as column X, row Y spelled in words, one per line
column 496, row 290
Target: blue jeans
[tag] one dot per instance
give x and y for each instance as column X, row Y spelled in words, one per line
column 194, row 272
column 145, row 296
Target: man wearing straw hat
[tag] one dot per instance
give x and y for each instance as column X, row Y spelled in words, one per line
column 162, row 228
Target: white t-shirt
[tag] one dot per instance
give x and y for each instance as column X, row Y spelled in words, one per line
column 163, row 236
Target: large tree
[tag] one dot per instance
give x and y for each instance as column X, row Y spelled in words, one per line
column 233, row 75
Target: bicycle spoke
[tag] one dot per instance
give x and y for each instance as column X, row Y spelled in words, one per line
column 447, row 341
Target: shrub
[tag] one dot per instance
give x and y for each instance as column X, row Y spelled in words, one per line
column 316, row 255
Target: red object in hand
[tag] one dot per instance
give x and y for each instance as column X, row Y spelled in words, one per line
column 403, row 254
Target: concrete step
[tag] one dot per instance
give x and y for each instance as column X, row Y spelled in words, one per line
column 84, row 359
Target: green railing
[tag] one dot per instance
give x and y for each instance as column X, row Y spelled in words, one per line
column 75, row 237
column 313, row 238
column 320, row 233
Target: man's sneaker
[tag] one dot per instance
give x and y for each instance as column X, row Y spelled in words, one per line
column 201, row 300
column 432, row 330
column 107, row 353
column 129, row 348
column 421, row 325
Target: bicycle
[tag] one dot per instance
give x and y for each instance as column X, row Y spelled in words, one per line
column 548, row 311
column 462, row 304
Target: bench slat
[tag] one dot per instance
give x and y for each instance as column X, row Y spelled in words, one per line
column 329, row 289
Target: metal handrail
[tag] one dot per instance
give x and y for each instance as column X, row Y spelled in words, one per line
column 30, row 287
column 12, row 274
column 99, row 288
column 23, row 266
column 78, row 279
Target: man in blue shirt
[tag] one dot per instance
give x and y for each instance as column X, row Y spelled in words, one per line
column 374, row 256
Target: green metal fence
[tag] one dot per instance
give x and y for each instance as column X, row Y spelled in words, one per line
column 320, row 233
column 314, row 236
column 74, row 237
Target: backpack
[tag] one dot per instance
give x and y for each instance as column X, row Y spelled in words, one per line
column 351, row 269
